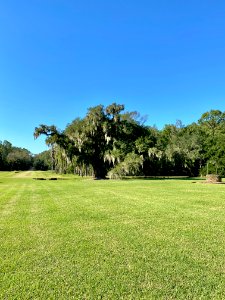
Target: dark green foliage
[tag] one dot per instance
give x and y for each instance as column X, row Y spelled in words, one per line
column 42, row 161
column 14, row 158
column 19, row 159
column 212, row 124
column 5, row 149
column 212, row 121
column 92, row 140
column 108, row 141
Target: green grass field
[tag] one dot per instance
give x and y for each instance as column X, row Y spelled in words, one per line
column 129, row 239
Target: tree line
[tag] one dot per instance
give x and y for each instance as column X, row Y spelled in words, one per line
column 111, row 142
column 19, row 159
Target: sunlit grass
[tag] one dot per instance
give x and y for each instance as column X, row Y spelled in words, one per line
column 132, row 239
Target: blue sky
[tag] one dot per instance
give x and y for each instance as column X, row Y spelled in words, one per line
column 165, row 59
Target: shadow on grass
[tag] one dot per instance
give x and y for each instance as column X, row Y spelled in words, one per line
column 50, row 178
column 163, row 178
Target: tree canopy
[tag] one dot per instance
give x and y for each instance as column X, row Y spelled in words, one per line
column 102, row 137
column 14, row 158
column 110, row 141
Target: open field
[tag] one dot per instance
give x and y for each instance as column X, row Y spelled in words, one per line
column 130, row 239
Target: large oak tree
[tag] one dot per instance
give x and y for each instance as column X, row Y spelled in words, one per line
column 90, row 139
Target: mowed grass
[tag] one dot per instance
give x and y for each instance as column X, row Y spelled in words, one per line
column 130, row 239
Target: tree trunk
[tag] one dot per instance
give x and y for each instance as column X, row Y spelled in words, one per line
column 99, row 169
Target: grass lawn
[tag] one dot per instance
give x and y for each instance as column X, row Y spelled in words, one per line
column 130, row 239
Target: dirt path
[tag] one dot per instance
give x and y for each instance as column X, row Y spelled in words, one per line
column 23, row 174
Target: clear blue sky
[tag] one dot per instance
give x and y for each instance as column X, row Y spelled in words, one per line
column 165, row 59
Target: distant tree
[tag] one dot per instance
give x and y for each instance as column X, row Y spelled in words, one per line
column 42, row 161
column 146, row 141
column 5, row 149
column 180, row 149
column 19, row 159
column 212, row 125
column 212, row 121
